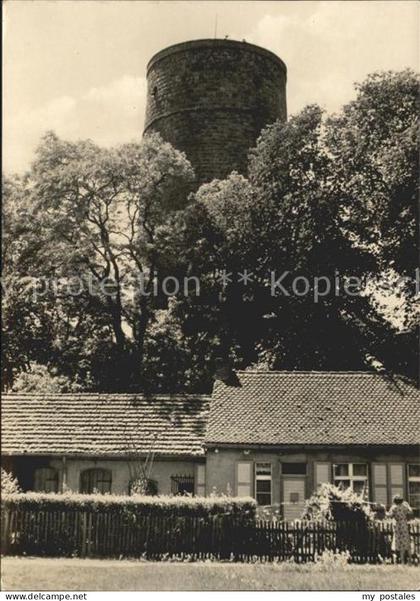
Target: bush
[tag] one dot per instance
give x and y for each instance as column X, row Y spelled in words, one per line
column 144, row 486
column 352, row 516
column 241, row 508
column 333, row 503
column 9, row 484
column 121, row 526
column 332, row 560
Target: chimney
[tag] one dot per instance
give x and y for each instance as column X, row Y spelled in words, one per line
column 224, row 373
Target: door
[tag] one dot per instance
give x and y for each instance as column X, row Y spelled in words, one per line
column 293, row 497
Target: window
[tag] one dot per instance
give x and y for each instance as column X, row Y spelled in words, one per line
column 263, row 483
column 95, row 480
column 182, row 485
column 414, row 487
column 46, row 479
column 352, row 475
column 293, row 469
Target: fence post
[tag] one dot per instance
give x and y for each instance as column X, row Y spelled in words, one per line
column 84, row 528
column 5, row 530
column 89, row 533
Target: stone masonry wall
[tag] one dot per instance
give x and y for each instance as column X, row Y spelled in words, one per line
column 212, row 98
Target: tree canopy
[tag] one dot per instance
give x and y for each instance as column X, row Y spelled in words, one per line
column 293, row 262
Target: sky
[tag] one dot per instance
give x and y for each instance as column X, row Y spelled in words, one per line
column 78, row 66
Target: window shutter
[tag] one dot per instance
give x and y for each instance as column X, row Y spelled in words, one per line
column 380, row 483
column 244, row 479
column 322, row 473
column 396, row 477
column 200, row 487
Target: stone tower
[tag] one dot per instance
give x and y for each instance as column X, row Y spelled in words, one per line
column 212, row 98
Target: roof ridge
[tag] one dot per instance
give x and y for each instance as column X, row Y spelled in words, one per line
column 313, row 372
column 108, row 394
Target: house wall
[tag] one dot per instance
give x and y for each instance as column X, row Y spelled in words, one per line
column 123, row 471
column 222, row 472
column 217, row 473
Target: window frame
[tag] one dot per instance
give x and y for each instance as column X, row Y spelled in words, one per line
column 263, row 478
column 416, row 479
column 351, row 477
column 91, row 470
column 54, row 477
column 412, row 478
column 178, row 480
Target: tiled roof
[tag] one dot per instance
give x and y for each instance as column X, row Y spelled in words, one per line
column 102, row 424
column 321, row 408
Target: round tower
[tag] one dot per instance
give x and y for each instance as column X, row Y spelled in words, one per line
column 212, row 98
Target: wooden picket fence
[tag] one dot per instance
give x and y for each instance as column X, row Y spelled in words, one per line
column 304, row 541
column 85, row 533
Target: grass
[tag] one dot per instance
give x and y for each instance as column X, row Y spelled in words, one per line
column 34, row 574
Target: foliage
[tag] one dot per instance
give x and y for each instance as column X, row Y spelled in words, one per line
column 165, row 353
column 297, row 213
column 330, row 560
column 374, row 143
column 40, row 379
column 9, row 484
column 141, row 505
column 331, row 502
column 25, row 325
column 158, row 528
column 152, row 527
column 324, row 196
column 144, row 486
column 351, row 515
column 285, row 218
column 90, row 221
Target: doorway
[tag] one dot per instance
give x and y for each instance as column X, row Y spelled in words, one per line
column 293, row 497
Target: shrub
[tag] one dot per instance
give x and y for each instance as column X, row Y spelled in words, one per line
column 241, row 508
column 9, row 484
column 332, row 560
column 351, row 514
column 121, row 526
column 333, row 503
column 144, row 486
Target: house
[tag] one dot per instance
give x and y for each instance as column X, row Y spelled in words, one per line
column 272, row 435
column 278, row 435
column 105, row 442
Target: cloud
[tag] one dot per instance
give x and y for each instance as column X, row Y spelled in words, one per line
column 109, row 114
column 114, row 113
column 127, row 94
column 335, row 44
column 327, row 46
